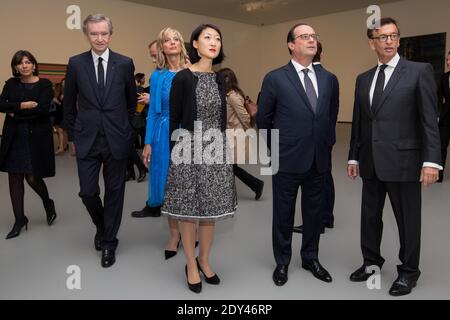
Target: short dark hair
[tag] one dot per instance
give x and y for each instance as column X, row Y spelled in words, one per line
column 382, row 22
column 291, row 36
column 17, row 59
column 318, row 53
column 193, row 54
column 138, row 77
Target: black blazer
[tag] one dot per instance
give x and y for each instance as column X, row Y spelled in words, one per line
column 183, row 102
column 402, row 132
column 305, row 136
column 444, row 100
column 38, row 119
column 85, row 113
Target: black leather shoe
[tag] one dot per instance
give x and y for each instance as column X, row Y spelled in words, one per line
column 280, row 275
column 142, row 175
column 147, row 212
column 50, row 211
column 97, row 242
column 108, row 258
column 402, row 286
column 329, row 225
column 360, row 275
column 17, row 228
column 211, row 280
column 259, row 189
column 194, row 287
column 317, row 270
column 299, row 229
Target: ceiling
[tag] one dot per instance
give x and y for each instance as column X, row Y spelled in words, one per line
column 261, row 12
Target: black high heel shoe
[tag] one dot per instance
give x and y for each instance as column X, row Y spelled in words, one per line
column 211, row 280
column 18, row 225
column 195, row 287
column 50, row 211
column 170, row 253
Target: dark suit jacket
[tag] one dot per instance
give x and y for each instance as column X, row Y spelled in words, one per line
column 444, row 100
column 111, row 114
column 40, row 131
column 402, row 132
column 305, row 136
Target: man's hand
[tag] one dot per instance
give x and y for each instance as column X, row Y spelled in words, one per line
column 428, row 176
column 28, row 105
column 146, row 153
column 144, row 98
column 352, row 171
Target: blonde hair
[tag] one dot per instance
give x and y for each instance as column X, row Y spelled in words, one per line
column 161, row 61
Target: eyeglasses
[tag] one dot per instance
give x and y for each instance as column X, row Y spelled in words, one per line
column 306, row 36
column 384, row 37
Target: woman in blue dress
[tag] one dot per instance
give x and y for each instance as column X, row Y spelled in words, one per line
column 172, row 57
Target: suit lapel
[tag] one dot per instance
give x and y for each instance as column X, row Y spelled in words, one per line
column 398, row 73
column 110, row 72
column 295, row 80
column 321, row 81
column 368, row 83
column 90, row 69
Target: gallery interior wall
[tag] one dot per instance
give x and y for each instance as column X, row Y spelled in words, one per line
column 252, row 51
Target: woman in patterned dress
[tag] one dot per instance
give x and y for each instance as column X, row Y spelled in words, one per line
column 199, row 190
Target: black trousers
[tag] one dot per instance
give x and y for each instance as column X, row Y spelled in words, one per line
column 285, row 188
column 329, row 195
column 106, row 217
column 406, row 203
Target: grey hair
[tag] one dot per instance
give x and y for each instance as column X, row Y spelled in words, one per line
column 97, row 18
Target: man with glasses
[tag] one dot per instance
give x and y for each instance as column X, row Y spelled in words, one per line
column 394, row 146
column 299, row 100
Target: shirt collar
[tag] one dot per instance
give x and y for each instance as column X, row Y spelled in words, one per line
column 298, row 67
column 105, row 55
column 393, row 63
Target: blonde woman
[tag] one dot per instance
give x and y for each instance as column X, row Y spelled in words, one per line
column 171, row 58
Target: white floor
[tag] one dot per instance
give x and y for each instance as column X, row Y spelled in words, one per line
column 34, row 265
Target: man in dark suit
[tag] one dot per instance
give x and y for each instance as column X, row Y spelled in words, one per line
column 394, row 146
column 101, row 83
column 328, row 190
column 298, row 100
column 444, row 115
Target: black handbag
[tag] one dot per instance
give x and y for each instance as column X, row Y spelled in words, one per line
column 138, row 121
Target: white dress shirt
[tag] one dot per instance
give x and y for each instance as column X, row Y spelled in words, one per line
column 391, row 65
column 105, row 57
column 311, row 74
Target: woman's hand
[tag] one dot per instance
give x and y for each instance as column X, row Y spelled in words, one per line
column 144, row 98
column 28, row 105
column 146, row 154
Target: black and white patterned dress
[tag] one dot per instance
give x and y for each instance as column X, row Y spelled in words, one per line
column 202, row 191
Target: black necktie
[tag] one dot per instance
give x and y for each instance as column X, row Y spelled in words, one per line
column 379, row 87
column 101, row 77
column 310, row 91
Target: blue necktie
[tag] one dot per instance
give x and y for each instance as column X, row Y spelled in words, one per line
column 310, row 91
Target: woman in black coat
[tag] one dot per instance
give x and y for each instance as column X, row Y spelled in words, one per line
column 26, row 150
